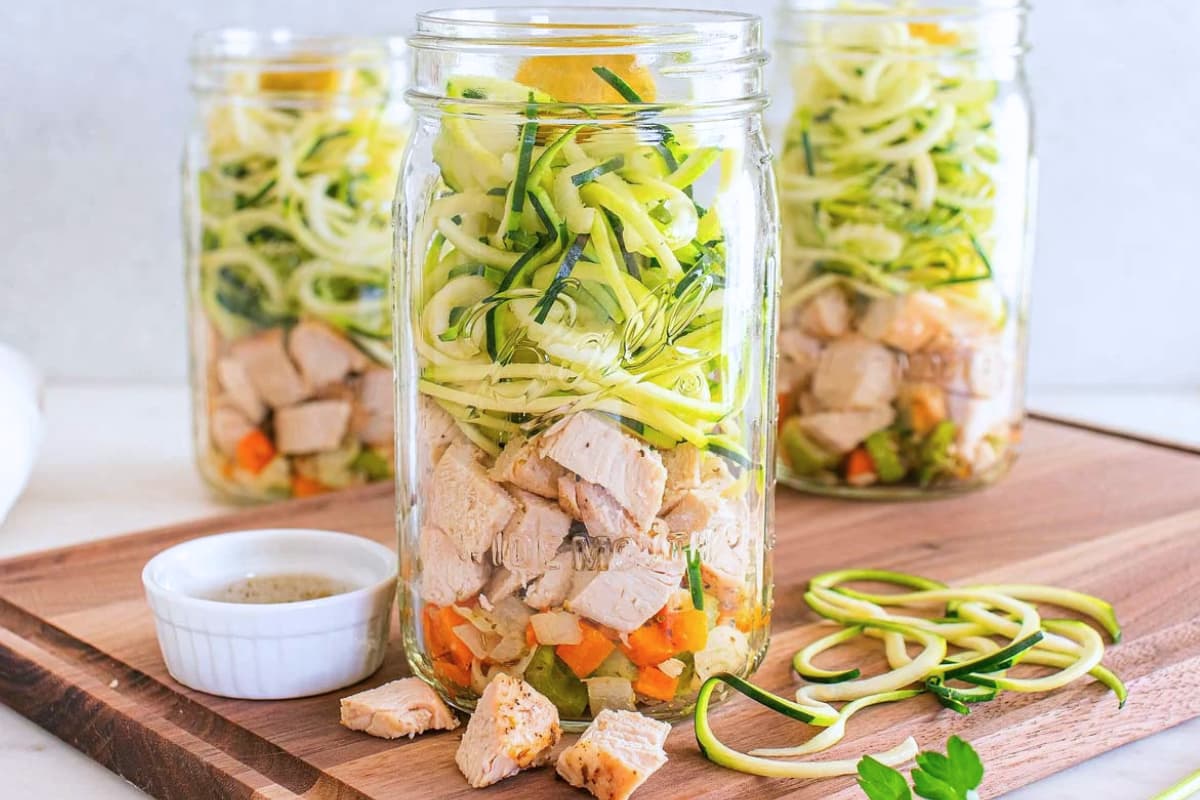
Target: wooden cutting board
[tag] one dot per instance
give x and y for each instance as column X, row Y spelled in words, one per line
column 1082, row 509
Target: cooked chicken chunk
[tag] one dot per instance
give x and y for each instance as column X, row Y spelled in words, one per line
column 226, row 427
column 404, row 707
column 313, row 427
column 827, row 315
column 693, row 511
column 513, row 728
column 520, row 464
column 551, row 589
column 270, row 370
column 725, row 554
column 375, row 414
column 447, row 577
column 465, row 503
column 568, row 496
column 683, row 463
column 798, row 357
column 437, row 431
column 323, row 356
column 503, row 583
column 842, row 431
column 532, row 536
column 906, row 322
column 966, row 366
column 634, row 587
column 602, row 514
column 615, row 755
column 977, row 418
column 232, row 376
column 599, row 452
column 855, row 373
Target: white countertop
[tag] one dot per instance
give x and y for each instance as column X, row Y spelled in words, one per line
column 118, row 458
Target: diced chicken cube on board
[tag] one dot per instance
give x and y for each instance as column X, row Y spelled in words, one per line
column 634, row 587
column 270, row 370
column 841, row 431
column 799, row 354
column 513, row 728
column 615, row 755
column 375, row 414
column 313, row 427
column 601, row 453
column 403, row 707
column 551, row 589
column 235, row 382
column 520, row 464
column 906, row 322
column 465, row 503
column 447, row 577
column 533, row 535
column 826, row 315
column 322, row 355
column 226, row 427
column 855, row 373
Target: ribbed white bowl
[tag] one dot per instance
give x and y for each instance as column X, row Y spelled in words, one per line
column 271, row 651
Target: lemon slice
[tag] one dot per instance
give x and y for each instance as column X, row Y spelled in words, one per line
column 572, row 78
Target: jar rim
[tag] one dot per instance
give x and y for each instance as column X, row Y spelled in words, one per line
column 911, row 11
column 634, row 27
column 287, row 48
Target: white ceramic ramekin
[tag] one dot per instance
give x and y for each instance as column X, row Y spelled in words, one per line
column 271, row 651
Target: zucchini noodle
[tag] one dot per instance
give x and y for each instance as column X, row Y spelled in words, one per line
column 970, row 622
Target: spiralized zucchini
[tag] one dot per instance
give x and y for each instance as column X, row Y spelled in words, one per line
column 886, row 175
column 971, row 639
column 295, row 210
column 571, row 268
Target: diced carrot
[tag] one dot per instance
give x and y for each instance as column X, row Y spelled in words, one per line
column 433, row 641
column 649, row 645
column 786, row 404
column 653, row 682
column 307, row 487
column 531, row 635
column 752, row 618
column 457, row 650
column 452, row 673
column 254, row 451
column 932, row 33
column 687, row 631
column 859, row 466
column 585, row 657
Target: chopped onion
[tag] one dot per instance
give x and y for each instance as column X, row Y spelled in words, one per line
column 557, row 627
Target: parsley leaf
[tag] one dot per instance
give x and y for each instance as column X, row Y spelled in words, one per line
column 881, row 782
column 954, row 776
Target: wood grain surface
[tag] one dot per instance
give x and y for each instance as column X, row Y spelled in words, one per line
column 1082, row 509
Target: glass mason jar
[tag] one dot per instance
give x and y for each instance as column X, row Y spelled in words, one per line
column 289, row 174
column 906, row 177
column 585, row 266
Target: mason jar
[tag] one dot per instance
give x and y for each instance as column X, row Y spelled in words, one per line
column 906, row 177
column 585, row 268
column 288, row 179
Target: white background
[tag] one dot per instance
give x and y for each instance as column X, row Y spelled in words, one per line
column 94, row 107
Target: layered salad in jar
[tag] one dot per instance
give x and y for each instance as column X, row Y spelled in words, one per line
column 291, row 178
column 591, row 476
column 898, row 353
